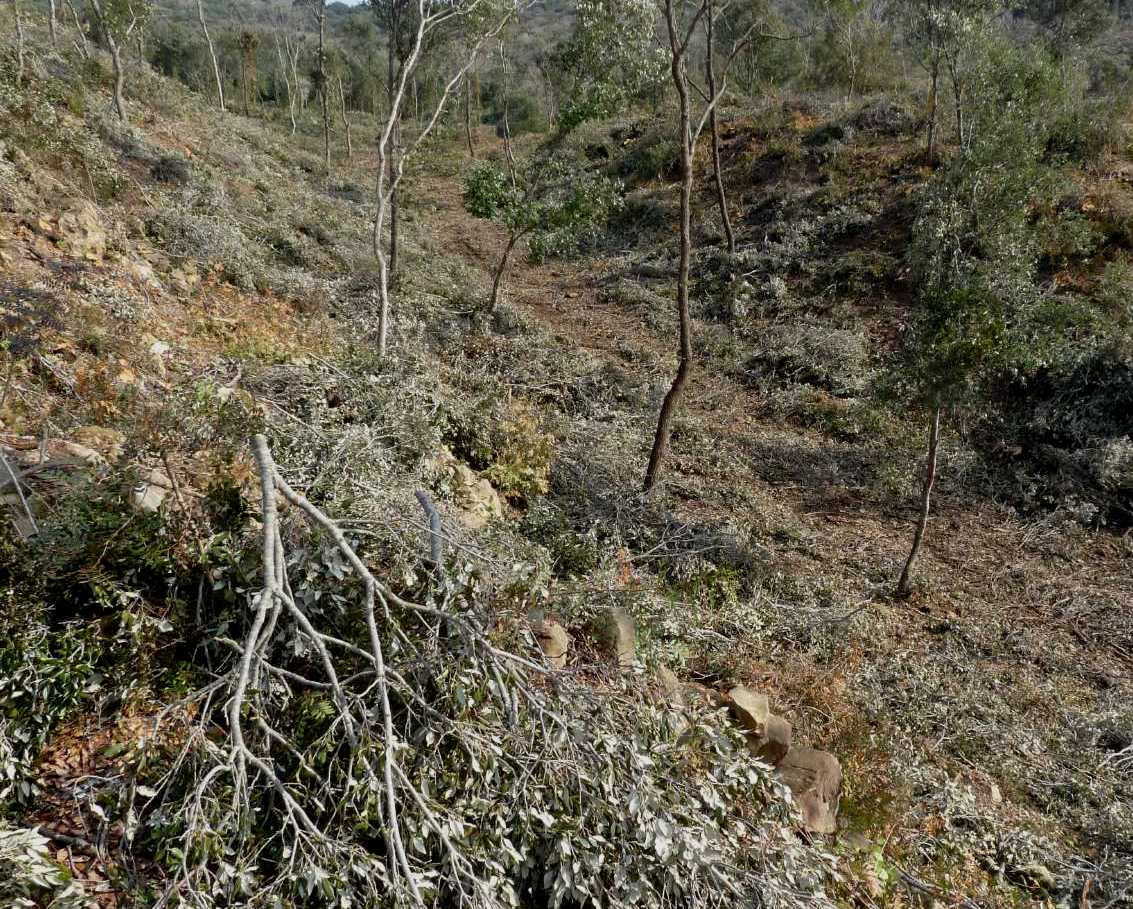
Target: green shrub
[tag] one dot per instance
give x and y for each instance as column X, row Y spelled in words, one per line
column 30, row 876
column 507, row 443
column 654, row 158
column 45, row 674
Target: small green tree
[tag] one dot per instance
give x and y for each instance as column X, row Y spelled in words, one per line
column 975, row 249
column 551, row 199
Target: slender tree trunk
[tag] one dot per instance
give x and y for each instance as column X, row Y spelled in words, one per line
column 508, row 153
column 468, row 117
column 932, row 105
column 957, row 95
column 21, row 52
column 52, row 25
column 212, row 54
column 83, row 48
column 291, row 86
column 112, row 44
column 345, row 120
column 904, row 584
column 498, row 278
column 300, row 95
column 684, row 353
column 119, row 78
column 721, row 194
column 394, row 71
column 244, row 81
column 323, row 93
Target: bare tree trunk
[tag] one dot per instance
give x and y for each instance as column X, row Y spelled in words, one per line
column 932, row 104
column 119, row 78
column 498, row 278
column 21, row 52
column 291, row 86
column 51, row 23
column 300, row 95
column 84, row 49
column 721, row 195
column 244, row 81
column 904, row 584
column 115, row 49
column 957, row 96
column 345, row 120
column 468, row 117
column 508, row 153
column 395, row 140
column 684, row 353
column 212, row 55
column 322, row 17
column 385, row 192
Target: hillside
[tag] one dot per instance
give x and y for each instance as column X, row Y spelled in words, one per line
column 589, row 684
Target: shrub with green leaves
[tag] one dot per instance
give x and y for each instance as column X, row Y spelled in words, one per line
column 45, row 674
column 29, row 875
column 551, row 199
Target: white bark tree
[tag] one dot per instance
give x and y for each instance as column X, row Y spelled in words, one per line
column 212, row 54
column 484, row 19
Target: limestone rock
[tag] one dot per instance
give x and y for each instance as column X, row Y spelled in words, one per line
column 79, row 231
column 774, row 743
column 553, row 641
column 107, row 442
column 815, row 779
column 618, row 636
column 750, row 708
column 73, row 451
column 669, row 687
column 477, row 499
column 696, row 694
column 150, row 494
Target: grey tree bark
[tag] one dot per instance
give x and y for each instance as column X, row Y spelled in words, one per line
column 904, row 583
column 82, row 46
column 345, row 119
column 21, row 51
column 212, row 54
column 115, row 48
column 661, row 438
column 721, row 193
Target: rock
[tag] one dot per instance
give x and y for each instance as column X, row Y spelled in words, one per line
column 553, row 641
column 768, row 735
column 150, row 494
column 697, row 695
column 77, row 452
column 618, row 636
column 107, row 442
column 1039, row 876
column 775, row 742
column 669, row 687
column 750, row 708
column 815, row 779
column 79, row 231
column 478, row 500
column 158, row 350
column 125, row 380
